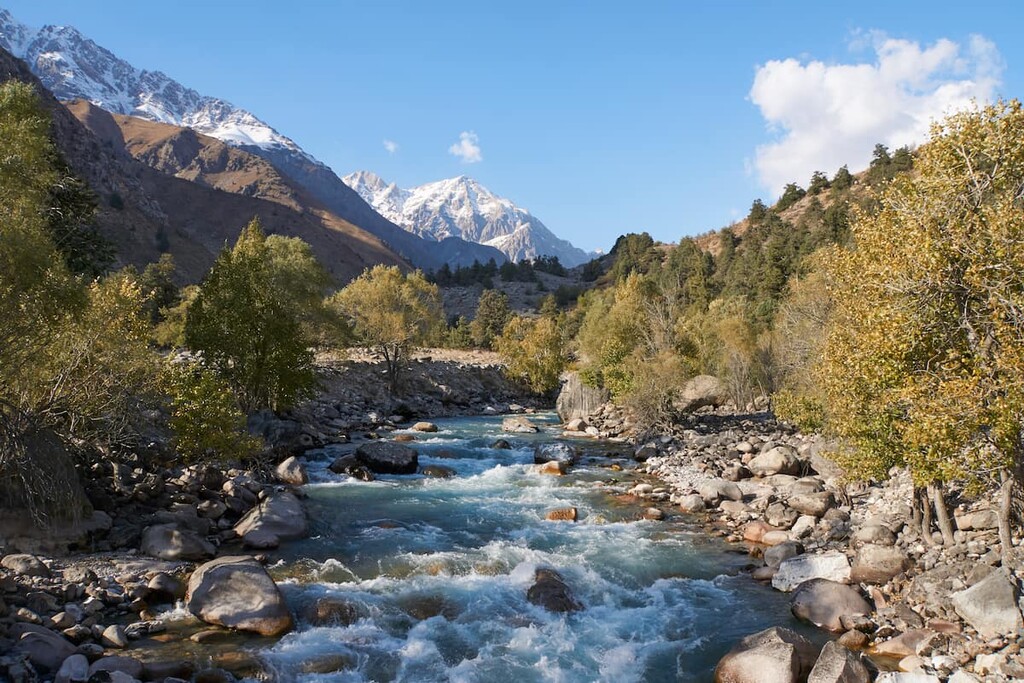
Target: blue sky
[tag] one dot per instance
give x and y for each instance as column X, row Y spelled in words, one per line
column 598, row 117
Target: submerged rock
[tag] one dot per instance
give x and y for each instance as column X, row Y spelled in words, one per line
column 775, row 655
column 550, row 591
column 351, row 465
column 438, row 472
column 237, row 593
column 384, row 457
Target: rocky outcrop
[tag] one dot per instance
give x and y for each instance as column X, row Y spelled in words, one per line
column 699, row 392
column 237, row 593
column 577, row 400
column 775, row 655
column 383, row 457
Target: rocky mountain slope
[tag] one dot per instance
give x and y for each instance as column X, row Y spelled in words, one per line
column 73, row 67
column 462, row 207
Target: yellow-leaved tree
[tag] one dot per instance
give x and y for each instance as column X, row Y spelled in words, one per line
column 923, row 360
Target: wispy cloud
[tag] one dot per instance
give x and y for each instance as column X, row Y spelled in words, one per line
column 391, row 146
column 826, row 115
column 467, row 148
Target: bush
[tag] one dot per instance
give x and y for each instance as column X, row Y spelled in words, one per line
column 534, row 353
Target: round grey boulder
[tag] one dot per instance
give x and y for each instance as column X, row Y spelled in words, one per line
column 824, row 603
column 237, row 593
column 387, row 457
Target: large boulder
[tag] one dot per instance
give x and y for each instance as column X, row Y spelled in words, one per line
column 517, row 424
column 792, row 572
column 237, row 593
column 836, row 664
column 25, row 565
column 775, row 655
column 278, row 517
column 991, row 606
column 44, row 648
column 824, row 603
column 878, row 563
column 291, row 471
column 700, row 391
column 550, row 591
column 777, row 460
column 554, row 452
column 427, row 427
column 577, row 400
column 168, row 542
column 283, row 436
column 814, row 504
column 352, row 466
column 385, row 457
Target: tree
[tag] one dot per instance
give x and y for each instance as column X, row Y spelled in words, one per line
column 819, row 183
column 633, row 253
column 158, row 283
column 391, row 312
column 923, row 362
column 843, row 179
column 492, row 314
column 248, row 319
column 534, row 352
column 790, row 196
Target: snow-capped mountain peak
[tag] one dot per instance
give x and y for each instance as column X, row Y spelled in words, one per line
column 72, row 66
column 462, row 207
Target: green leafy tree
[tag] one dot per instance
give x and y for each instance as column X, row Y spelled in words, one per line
column 391, row 312
column 790, row 196
column 923, row 363
column 819, row 183
column 633, row 253
column 492, row 314
column 843, row 179
column 534, row 352
column 249, row 320
column 205, row 418
column 157, row 280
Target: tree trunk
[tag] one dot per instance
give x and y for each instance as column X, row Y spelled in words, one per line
column 915, row 509
column 926, row 517
column 1005, row 517
column 942, row 514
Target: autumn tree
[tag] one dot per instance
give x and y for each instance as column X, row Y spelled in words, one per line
column 251, row 316
column 492, row 314
column 534, row 352
column 923, row 363
column 391, row 312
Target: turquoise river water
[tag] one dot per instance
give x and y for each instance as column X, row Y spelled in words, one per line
column 439, row 569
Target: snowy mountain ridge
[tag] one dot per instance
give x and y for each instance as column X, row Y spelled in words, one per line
column 462, row 207
column 72, row 66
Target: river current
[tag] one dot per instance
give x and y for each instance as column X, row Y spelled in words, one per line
column 437, row 572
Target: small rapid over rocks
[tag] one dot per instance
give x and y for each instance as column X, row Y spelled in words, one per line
column 416, row 578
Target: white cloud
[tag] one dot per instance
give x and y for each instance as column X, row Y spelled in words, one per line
column 826, row 115
column 467, row 148
column 391, row 146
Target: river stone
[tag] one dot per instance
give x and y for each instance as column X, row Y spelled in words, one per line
column 558, row 452
column 755, row 531
column 349, row 464
column 517, row 424
column 550, row 591
column 383, row 457
column 125, row 665
column 166, row 587
column 977, row 521
column 700, row 391
column 576, row 425
column 991, row 606
column 562, row 515
column 334, row 611
column 778, row 460
column 75, row 669
column 429, row 427
column 776, row 555
column 25, row 565
column 501, row 445
column 44, row 648
column 877, row 564
column 905, row 644
column 236, row 592
column 874, row 534
column 775, row 655
column 438, row 472
column 816, row 504
column 168, row 542
column 824, row 603
column 794, row 571
column 907, row 677
column 836, row 664
column 553, row 467
column 291, row 471
column 692, row 503
column 714, row 490
column 279, row 516
column 113, row 636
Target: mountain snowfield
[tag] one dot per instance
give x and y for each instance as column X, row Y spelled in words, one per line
column 462, row 207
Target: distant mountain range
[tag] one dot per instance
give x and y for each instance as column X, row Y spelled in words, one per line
column 462, row 207
column 73, row 67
